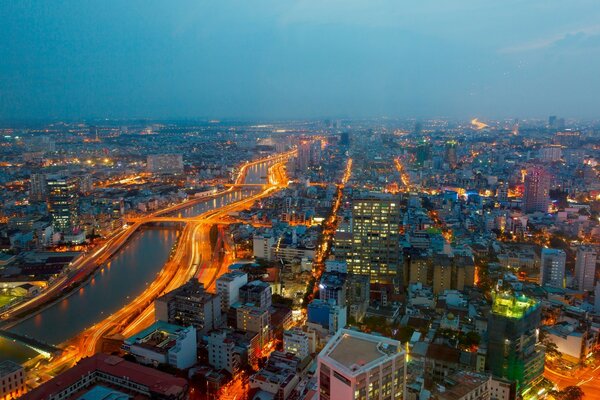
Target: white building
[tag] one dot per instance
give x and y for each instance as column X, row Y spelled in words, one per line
column 585, row 267
column 356, row 365
column 261, row 246
column 228, row 287
column 221, row 352
column 552, row 269
column 256, row 320
column 298, row 342
column 164, row 343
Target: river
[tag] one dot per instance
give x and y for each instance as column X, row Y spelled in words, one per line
column 118, row 282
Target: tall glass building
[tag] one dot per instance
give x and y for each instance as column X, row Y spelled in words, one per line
column 514, row 352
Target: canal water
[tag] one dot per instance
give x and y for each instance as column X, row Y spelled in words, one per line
column 116, row 284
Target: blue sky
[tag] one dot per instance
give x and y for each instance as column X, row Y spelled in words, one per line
column 296, row 59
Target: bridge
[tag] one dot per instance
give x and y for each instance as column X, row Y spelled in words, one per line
column 42, row 348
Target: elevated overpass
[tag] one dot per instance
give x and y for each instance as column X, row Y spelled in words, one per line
column 40, row 347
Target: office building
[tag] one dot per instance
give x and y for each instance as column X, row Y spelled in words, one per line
column 38, row 188
column 12, row 380
column 585, row 268
column 514, row 352
column 164, row 343
column 537, row 190
column 63, row 202
column 91, row 376
column 552, row 268
column 358, row 292
column 357, row 365
column 256, row 320
column 298, row 342
column 257, row 293
column 375, row 241
column 333, row 286
column 228, row 288
column 165, row 163
column 551, row 153
column 331, row 317
column 451, row 157
column 189, row 305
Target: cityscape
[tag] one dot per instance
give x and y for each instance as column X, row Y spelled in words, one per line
column 290, row 256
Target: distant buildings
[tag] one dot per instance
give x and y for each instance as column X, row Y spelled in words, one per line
column 585, row 267
column 38, row 187
column 91, row 377
column 356, row 365
column 63, row 202
column 514, row 352
column 375, row 241
column 165, row 163
column 537, row 190
column 552, row 268
column 12, row 380
column 189, row 305
column 164, row 343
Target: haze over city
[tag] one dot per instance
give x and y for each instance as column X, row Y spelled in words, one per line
column 299, row 59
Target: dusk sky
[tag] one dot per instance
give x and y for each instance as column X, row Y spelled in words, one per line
column 296, row 59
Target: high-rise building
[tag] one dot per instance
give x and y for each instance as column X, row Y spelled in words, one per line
column 165, row 163
column 190, row 304
column 298, row 342
column 356, row 365
column 333, row 286
column 303, row 158
column 228, row 287
column 63, row 202
column 537, row 190
column 552, row 268
column 37, row 187
column 502, row 192
column 256, row 320
column 514, row 351
column 551, row 153
column 329, row 315
column 257, row 293
column 451, row 157
column 375, row 241
column 585, row 267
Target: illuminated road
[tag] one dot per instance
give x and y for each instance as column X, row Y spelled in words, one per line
column 88, row 263
column 588, row 381
column 193, row 250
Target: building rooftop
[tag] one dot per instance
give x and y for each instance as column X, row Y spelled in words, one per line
column 512, row 306
column 159, row 336
column 356, row 351
column 459, row 385
column 8, row 367
column 158, row 382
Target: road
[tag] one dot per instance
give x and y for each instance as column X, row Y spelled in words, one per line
column 193, row 250
column 588, row 381
column 88, row 263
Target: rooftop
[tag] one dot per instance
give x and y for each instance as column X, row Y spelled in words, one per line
column 354, row 350
column 512, row 306
column 8, row 367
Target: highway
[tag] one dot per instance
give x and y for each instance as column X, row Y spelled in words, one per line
column 193, row 258
column 89, row 262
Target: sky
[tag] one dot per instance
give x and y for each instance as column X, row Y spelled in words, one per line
column 280, row 59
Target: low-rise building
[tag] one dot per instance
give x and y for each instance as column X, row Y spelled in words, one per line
column 164, row 343
column 12, row 380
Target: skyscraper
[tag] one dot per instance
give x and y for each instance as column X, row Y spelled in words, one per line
column 585, row 268
column 537, row 190
column 63, row 202
column 37, row 187
column 375, row 244
column 552, row 269
column 451, row 157
column 514, row 352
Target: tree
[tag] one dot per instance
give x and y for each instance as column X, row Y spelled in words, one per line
column 569, row 393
